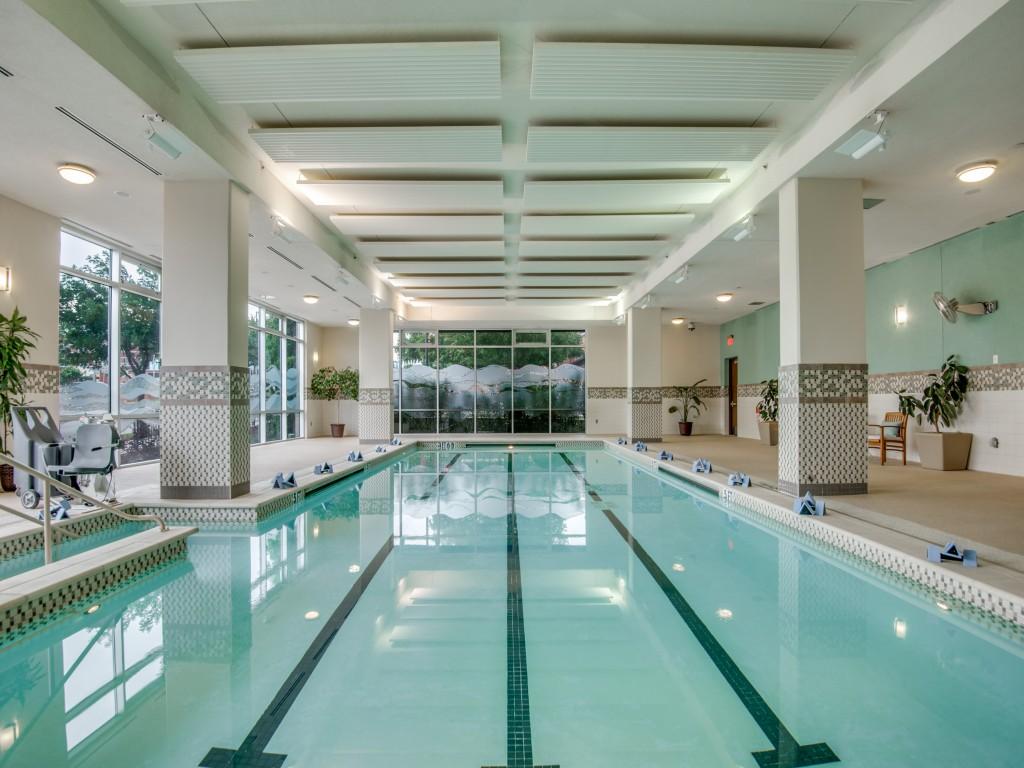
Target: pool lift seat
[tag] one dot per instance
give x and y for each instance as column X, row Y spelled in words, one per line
column 38, row 443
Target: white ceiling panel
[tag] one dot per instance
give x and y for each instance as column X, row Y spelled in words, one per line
column 402, row 268
column 451, row 281
column 347, row 72
column 433, row 249
column 644, row 71
column 609, row 282
column 404, row 195
column 644, row 144
column 552, row 248
column 469, row 292
column 562, row 292
column 382, row 144
column 420, row 226
column 620, row 194
column 598, row 225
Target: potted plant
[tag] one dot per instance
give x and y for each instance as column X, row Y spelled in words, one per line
column 940, row 404
column 767, row 410
column 16, row 341
column 689, row 403
column 328, row 383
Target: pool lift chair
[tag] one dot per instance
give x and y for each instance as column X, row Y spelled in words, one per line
column 38, row 443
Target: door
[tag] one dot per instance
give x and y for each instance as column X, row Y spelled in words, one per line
column 734, row 366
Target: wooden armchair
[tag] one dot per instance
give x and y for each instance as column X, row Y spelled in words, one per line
column 895, row 437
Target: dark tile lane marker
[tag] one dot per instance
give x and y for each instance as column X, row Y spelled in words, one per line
column 787, row 752
column 519, row 738
column 441, row 476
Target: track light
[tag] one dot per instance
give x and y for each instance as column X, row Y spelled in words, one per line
column 746, row 228
column 866, row 140
column 162, row 139
column 682, row 274
column 279, row 227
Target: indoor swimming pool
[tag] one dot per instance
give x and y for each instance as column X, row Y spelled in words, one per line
column 516, row 607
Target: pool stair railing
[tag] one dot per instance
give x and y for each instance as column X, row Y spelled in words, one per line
column 808, row 505
column 951, row 553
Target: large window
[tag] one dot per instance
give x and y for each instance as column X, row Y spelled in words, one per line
column 275, row 376
column 489, row 381
column 109, row 348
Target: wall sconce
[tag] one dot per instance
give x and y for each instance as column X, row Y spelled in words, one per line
column 5, row 278
column 316, row 357
column 901, row 315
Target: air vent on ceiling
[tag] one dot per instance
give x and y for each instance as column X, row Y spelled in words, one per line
column 755, row 304
column 276, row 252
column 871, row 202
column 109, row 140
column 355, row 304
column 325, row 285
column 6, row 72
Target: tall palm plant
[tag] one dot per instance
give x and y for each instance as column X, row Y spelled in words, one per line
column 16, row 341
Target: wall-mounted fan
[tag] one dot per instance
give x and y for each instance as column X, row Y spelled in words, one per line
column 950, row 309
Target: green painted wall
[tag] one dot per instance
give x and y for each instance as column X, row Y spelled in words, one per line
column 986, row 263
column 757, row 345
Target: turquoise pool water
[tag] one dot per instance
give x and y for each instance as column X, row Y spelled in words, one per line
column 66, row 546
column 528, row 608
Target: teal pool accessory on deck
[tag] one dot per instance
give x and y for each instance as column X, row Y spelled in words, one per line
column 664, row 455
column 323, row 469
column 640, row 446
column 739, row 479
column 952, row 553
column 808, row 505
column 285, row 481
column 702, row 467
column 354, row 456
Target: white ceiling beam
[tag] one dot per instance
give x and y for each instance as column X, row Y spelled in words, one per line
column 904, row 58
column 382, row 145
column 394, row 195
column 620, row 194
column 644, row 144
column 601, row 225
column 382, row 225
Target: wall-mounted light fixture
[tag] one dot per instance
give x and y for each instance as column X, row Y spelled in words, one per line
column 5, row 279
column 901, row 315
column 730, row 340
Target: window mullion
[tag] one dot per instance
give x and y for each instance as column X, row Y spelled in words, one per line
column 114, row 337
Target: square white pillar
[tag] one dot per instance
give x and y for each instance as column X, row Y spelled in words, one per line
column 823, row 353
column 643, row 373
column 204, row 379
column 376, row 342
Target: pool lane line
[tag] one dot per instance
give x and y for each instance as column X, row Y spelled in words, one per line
column 519, row 737
column 787, row 753
column 440, row 477
column 250, row 754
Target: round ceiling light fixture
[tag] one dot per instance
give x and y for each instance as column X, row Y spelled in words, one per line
column 722, row 298
column 975, row 172
column 353, row 322
column 76, row 174
column 311, row 298
column 678, row 320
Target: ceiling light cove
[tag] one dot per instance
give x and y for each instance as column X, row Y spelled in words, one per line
column 76, row 174
column 976, row 172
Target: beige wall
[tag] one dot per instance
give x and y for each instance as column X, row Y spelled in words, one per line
column 687, row 357
column 606, row 367
column 338, row 347
column 31, row 248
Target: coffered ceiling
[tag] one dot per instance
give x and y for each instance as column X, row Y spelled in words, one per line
column 478, row 151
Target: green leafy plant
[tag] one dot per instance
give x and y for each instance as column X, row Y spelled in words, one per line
column 689, row 402
column 767, row 407
column 943, row 398
column 328, row 383
column 16, row 341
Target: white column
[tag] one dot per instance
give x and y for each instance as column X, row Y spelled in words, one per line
column 376, row 329
column 823, row 353
column 643, row 373
column 205, row 377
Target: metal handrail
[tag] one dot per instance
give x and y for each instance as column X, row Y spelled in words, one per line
column 48, row 481
column 35, row 520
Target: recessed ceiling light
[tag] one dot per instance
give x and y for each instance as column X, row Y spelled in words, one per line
column 724, row 613
column 353, row 568
column 975, row 172
column 678, row 567
column 678, row 320
column 353, row 322
column 268, row 297
column 311, row 298
column 76, row 174
column 92, row 608
column 311, row 615
column 723, row 297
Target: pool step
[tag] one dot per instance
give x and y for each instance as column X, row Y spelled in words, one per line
column 36, row 595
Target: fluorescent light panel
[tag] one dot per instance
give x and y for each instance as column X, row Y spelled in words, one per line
column 644, row 144
column 420, row 226
column 606, row 225
column 620, row 194
column 399, row 195
column 426, row 144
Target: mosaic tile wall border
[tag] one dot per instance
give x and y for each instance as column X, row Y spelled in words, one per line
column 983, row 378
column 42, row 379
column 28, row 615
column 606, row 393
column 993, row 607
